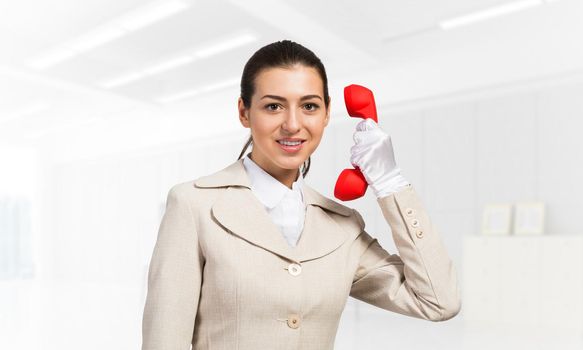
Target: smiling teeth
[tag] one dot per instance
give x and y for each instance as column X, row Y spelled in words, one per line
column 288, row 143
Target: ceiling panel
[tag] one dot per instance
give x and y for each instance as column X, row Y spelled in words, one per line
column 343, row 33
column 386, row 21
column 28, row 27
column 200, row 26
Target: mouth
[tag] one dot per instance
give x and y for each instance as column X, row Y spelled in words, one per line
column 290, row 141
column 291, row 145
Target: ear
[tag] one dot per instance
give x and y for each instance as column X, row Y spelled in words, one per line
column 243, row 113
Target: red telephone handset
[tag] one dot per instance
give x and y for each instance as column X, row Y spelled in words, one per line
column 351, row 184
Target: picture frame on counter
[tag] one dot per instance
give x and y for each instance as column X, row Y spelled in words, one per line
column 497, row 219
column 529, row 218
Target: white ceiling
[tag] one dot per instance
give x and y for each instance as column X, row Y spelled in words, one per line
column 351, row 37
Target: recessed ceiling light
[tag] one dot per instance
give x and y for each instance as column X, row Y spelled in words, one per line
column 226, row 45
column 180, row 60
column 122, row 80
column 168, row 65
column 150, row 14
column 489, row 13
column 221, row 85
column 194, row 92
column 109, row 31
column 96, row 38
column 179, row 96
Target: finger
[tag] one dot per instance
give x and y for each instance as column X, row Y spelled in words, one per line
column 368, row 137
column 358, row 136
column 361, row 126
column 365, row 134
column 368, row 124
column 358, row 149
column 355, row 160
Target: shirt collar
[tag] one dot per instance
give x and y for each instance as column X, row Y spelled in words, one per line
column 268, row 190
column 234, row 176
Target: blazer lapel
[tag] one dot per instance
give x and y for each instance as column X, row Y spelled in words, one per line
column 239, row 211
column 321, row 234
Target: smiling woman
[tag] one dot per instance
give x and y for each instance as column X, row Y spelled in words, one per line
column 251, row 257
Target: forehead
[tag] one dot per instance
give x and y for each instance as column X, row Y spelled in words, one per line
column 298, row 80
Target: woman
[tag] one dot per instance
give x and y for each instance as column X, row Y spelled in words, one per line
column 251, row 257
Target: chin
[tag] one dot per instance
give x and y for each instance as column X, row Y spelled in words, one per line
column 292, row 163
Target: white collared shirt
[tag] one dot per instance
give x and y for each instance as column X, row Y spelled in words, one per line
column 285, row 206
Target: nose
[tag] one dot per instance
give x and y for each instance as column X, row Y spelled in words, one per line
column 292, row 122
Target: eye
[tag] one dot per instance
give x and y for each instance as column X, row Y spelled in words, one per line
column 272, row 106
column 311, row 106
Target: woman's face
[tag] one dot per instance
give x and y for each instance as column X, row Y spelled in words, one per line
column 287, row 107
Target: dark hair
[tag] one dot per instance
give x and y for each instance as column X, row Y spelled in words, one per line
column 284, row 53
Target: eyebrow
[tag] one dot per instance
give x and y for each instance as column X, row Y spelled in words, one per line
column 279, row 98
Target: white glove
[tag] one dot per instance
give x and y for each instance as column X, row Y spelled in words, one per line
column 373, row 154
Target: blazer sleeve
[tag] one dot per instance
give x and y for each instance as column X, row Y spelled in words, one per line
column 421, row 281
column 174, row 279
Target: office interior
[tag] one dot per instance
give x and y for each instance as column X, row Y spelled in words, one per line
column 104, row 105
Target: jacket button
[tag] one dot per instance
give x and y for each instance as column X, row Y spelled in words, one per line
column 293, row 321
column 294, row 269
column 419, row 233
column 415, row 223
column 409, row 212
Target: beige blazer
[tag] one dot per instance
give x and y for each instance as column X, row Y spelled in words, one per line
column 222, row 277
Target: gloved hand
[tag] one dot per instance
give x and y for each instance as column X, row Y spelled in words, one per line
column 373, row 154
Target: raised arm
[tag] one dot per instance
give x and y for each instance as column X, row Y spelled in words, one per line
column 420, row 281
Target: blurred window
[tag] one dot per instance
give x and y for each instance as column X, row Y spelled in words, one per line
column 15, row 238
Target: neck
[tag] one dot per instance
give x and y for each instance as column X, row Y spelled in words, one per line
column 285, row 176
